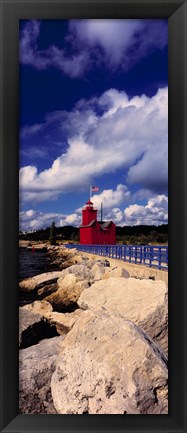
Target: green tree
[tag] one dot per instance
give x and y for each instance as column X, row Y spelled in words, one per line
column 52, row 237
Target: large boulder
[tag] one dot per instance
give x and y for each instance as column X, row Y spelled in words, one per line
column 39, row 281
column 69, row 290
column 108, row 366
column 144, row 302
column 36, row 365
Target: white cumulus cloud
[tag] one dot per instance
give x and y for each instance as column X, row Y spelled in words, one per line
column 129, row 134
column 116, row 215
column 110, row 197
column 155, row 212
column 34, row 220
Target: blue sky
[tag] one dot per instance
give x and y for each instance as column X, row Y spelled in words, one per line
column 93, row 111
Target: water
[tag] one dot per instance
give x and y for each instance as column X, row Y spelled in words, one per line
column 32, row 263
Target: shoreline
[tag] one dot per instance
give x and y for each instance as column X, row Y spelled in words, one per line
column 134, row 269
column 91, row 295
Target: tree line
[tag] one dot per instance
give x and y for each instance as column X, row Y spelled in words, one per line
column 139, row 235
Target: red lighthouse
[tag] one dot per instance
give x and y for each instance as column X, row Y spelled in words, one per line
column 94, row 232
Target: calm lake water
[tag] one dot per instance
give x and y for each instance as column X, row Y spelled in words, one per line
column 32, row 263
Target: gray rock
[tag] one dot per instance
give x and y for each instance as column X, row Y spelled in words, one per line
column 29, row 323
column 91, row 270
column 100, row 262
column 33, row 327
column 81, row 271
column 36, row 365
column 108, row 366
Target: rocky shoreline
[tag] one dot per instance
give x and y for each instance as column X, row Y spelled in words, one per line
column 94, row 341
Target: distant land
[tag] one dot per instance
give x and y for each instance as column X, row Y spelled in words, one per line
column 142, row 234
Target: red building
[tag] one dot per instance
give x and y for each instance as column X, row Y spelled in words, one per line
column 96, row 232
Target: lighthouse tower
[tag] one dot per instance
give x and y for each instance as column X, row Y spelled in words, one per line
column 94, row 232
column 88, row 213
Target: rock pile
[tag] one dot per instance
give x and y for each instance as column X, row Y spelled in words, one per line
column 98, row 340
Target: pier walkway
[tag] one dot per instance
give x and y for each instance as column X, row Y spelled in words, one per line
column 154, row 257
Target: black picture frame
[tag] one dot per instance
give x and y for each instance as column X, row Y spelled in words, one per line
column 176, row 12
